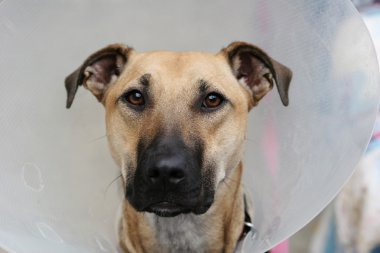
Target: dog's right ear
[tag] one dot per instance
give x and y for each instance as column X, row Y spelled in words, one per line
column 98, row 72
column 257, row 71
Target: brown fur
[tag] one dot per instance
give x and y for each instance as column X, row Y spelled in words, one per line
column 174, row 85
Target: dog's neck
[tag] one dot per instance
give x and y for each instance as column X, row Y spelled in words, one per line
column 217, row 230
column 182, row 233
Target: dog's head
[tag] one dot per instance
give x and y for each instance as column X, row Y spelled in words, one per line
column 176, row 122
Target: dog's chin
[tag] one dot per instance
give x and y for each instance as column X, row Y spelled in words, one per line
column 167, row 209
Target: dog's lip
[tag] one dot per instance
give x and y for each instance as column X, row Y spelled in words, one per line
column 166, row 209
column 165, row 205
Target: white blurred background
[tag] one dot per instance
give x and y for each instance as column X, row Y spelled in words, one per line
column 351, row 223
column 212, row 33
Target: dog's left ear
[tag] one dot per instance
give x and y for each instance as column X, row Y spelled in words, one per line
column 98, row 72
column 258, row 72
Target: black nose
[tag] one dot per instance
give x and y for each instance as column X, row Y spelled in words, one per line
column 168, row 170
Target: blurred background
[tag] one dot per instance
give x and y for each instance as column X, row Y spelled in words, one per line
column 351, row 223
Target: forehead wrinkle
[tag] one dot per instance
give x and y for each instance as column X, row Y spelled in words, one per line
column 144, row 80
column 203, row 85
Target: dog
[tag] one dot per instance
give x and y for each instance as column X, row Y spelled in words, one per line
column 176, row 126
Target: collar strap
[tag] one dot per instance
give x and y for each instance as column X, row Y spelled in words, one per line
column 248, row 225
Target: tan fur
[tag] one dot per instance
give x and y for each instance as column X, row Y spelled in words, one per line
column 174, row 79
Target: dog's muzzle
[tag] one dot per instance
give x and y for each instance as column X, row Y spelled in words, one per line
column 168, row 179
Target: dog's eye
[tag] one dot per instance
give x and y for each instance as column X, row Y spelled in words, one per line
column 135, row 98
column 212, row 101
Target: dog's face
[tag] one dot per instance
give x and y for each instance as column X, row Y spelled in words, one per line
column 176, row 122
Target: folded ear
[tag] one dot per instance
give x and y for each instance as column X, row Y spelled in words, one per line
column 258, row 72
column 98, row 72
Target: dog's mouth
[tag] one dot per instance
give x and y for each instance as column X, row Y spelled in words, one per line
column 167, row 209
